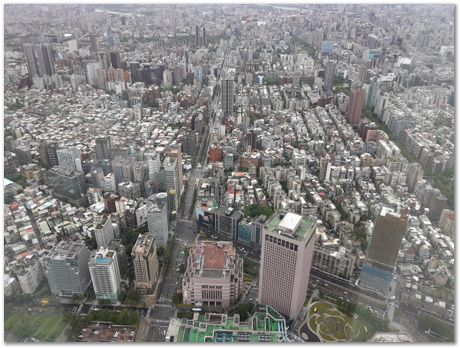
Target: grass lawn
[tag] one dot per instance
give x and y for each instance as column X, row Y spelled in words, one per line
column 330, row 324
column 44, row 326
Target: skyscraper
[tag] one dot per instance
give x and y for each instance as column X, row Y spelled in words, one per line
column 287, row 251
column 157, row 219
column 205, row 42
column 197, row 35
column 32, row 66
column 45, row 59
column 66, row 268
column 103, row 232
column 144, row 256
column 103, row 148
column 355, row 106
column 329, row 76
column 171, row 178
column 105, row 274
column 227, row 95
column 48, row 155
column 382, row 253
column 68, row 185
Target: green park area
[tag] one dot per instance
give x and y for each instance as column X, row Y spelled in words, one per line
column 331, row 325
column 45, row 326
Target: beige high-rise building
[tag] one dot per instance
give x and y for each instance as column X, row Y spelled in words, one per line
column 145, row 262
column 287, row 252
column 214, row 275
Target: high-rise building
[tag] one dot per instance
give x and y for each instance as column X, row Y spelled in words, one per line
column 68, row 185
column 66, row 268
column 175, row 151
column 287, row 251
column 329, row 76
column 69, row 158
column 145, row 262
column 171, row 181
column 103, row 232
column 382, row 253
column 45, row 59
column 105, row 274
column 197, row 35
column 227, row 95
column 414, row 173
column 40, row 60
column 32, row 66
column 374, row 91
column 214, row 275
column 355, row 106
column 205, row 39
column 48, row 155
column 103, row 148
column 157, row 219
column 103, row 57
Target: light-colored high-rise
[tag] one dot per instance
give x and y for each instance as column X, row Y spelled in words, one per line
column 287, row 251
column 103, row 232
column 105, row 274
column 145, row 262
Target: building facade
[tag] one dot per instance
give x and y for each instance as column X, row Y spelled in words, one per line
column 105, row 274
column 214, row 275
column 287, row 252
column 145, row 262
column 66, row 268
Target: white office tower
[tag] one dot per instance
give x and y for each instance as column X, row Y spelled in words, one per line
column 105, row 274
column 70, row 158
column 157, row 219
column 103, row 232
column 154, row 162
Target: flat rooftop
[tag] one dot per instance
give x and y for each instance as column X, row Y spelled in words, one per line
column 303, row 226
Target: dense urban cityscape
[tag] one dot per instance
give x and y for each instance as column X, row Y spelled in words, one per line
column 229, row 173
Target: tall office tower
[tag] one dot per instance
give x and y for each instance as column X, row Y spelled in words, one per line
column 382, row 253
column 287, row 252
column 66, row 268
column 157, row 219
column 145, row 262
column 32, row 66
column 197, row 35
column 329, row 76
column 105, row 274
column 154, row 162
column 103, row 57
column 68, row 185
column 175, row 151
column 103, row 231
column 93, row 44
column 414, row 173
column 45, row 60
column 115, row 60
column 48, row 155
column 227, row 95
column 171, row 178
column 214, row 275
column 374, row 91
column 70, row 158
column 355, row 106
column 103, row 148
column 205, row 42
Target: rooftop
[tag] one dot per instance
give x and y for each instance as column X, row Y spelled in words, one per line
column 301, row 227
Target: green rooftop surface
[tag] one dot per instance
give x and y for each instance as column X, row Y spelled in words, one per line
column 302, row 232
column 230, row 331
